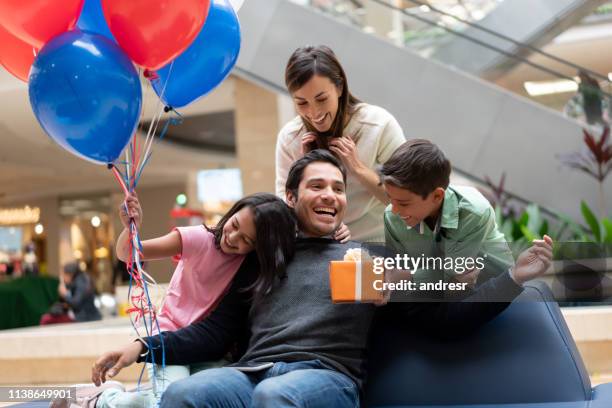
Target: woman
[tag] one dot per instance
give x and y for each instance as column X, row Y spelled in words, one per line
column 363, row 136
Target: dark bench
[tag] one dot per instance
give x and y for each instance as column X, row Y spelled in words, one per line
column 524, row 358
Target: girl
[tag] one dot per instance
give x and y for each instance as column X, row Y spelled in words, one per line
column 209, row 260
column 363, row 136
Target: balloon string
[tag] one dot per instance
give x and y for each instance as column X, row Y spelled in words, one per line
column 141, row 311
column 119, row 179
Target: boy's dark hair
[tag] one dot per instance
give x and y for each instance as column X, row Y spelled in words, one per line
column 297, row 169
column 417, row 165
column 275, row 229
column 306, row 62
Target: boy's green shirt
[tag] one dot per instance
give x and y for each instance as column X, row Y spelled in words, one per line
column 466, row 228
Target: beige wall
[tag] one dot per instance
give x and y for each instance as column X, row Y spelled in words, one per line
column 256, row 130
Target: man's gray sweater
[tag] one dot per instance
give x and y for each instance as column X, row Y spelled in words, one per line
column 297, row 321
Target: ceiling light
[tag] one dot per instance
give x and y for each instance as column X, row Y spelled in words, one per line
column 550, row 87
column 38, row 229
column 95, row 221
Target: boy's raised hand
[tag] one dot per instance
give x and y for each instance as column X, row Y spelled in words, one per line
column 534, row 261
column 130, row 208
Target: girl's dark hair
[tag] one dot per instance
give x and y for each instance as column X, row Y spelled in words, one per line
column 275, row 229
column 306, row 62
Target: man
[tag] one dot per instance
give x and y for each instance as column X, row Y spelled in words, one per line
column 303, row 350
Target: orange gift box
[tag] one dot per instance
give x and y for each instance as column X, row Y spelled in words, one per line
column 353, row 281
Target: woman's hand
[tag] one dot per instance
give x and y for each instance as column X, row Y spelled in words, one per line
column 133, row 211
column 345, row 149
column 307, row 140
column 112, row 362
column 342, row 234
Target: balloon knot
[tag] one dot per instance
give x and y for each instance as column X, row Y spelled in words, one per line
column 150, row 75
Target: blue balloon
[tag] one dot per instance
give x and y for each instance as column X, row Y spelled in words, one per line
column 92, row 19
column 207, row 61
column 86, row 95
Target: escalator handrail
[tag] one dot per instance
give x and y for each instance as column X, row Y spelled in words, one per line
column 508, row 54
column 503, row 37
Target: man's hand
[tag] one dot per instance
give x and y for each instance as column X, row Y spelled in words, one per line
column 342, row 234
column 534, row 261
column 112, row 362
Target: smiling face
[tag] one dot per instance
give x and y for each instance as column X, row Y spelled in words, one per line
column 238, row 235
column 317, row 102
column 321, row 200
column 411, row 207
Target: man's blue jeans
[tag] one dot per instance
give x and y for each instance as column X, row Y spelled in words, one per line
column 302, row 384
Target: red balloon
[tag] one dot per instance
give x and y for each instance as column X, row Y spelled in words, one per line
column 15, row 55
column 37, row 21
column 153, row 33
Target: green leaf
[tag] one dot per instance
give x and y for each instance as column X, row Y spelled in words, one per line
column 591, row 220
column 543, row 229
column 530, row 236
column 534, row 222
column 523, row 219
column 607, row 224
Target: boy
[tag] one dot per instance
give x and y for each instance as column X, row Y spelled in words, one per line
column 451, row 228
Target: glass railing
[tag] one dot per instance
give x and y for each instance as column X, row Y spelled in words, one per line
column 424, row 27
column 420, row 25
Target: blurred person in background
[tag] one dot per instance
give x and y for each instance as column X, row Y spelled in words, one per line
column 30, row 261
column 77, row 296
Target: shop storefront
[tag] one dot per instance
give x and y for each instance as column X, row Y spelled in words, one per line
column 86, row 235
column 22, row 242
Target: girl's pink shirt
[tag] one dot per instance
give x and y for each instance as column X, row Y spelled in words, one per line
column 201, row 278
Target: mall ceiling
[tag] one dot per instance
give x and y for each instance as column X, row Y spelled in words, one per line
column 31, row 165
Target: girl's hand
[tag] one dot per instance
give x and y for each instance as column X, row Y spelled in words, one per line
column 133, row 211
column 345, row 149
column 307, row 140
column 342, row 234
